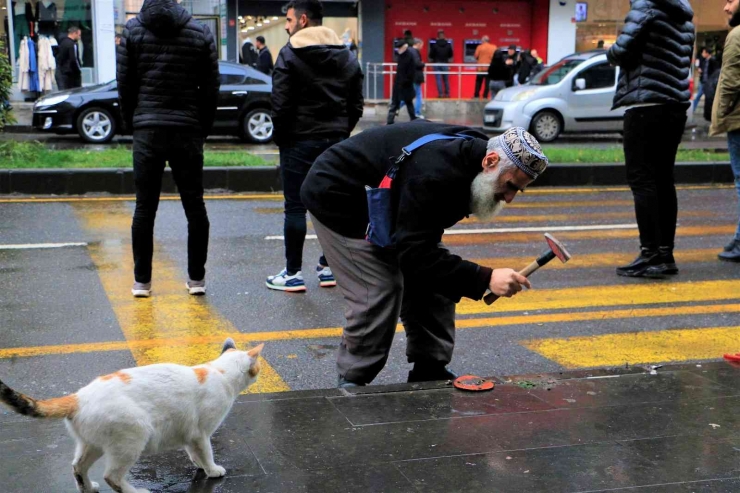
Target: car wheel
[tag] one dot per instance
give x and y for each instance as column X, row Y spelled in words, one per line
column 96, row 125
column 257, row 126
column 546, row 126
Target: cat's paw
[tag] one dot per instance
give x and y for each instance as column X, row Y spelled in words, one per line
column 216, row 472
column 142, row 490
column 95, row 487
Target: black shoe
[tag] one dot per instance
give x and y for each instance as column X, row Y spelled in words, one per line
column 345, row 384
column 666, row 265
column 429, row 373
column 731, row 245
column 643, row 262
column 732, row 255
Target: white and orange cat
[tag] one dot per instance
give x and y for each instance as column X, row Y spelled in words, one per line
column 146, row 410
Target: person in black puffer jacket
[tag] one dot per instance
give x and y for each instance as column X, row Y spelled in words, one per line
column 316, row 103
column 654, row 53
column 168, row 85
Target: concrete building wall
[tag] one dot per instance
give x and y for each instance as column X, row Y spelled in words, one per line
column 562, row 30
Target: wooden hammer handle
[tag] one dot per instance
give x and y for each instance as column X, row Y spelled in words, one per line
column 526, row 272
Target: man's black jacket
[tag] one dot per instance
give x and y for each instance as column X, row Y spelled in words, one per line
column 440, row 51
column 406, row 70
column 419, row 66
column 167, row 70
column 654, row 53
column 500, row 71
column 264, row 62
column 316, row 88
column 431, row 193
column 66, row 60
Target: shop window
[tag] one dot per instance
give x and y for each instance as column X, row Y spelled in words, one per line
column 599, row 76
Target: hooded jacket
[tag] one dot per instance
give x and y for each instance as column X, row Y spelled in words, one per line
column 654, row 53
column 431, row 192
column 441, row 51
column 725, row 107
column 316, row 88
column 167, row 70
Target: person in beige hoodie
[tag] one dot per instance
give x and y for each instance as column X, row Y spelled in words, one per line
column 726, row 111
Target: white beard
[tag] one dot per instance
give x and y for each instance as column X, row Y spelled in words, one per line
column 482, row 196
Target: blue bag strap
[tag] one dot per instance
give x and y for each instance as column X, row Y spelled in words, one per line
column 406, row 151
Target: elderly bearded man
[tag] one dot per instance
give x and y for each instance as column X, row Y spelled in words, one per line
column 416, row 277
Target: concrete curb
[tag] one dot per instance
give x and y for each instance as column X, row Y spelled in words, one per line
column 267, row 179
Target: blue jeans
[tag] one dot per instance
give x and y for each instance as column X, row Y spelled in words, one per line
column 443, row 82
column 733, row 144
column 296, row 160
column 417, row 100
column 699, row 94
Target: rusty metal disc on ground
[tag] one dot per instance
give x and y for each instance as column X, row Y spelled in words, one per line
column 473, row 384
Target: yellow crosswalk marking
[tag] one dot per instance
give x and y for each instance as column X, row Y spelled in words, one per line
column 639, row 347
column 325, row 333
column 596, row 259
column 498, row 238
column 171, row 313
column 573, row 218
column 611, row 295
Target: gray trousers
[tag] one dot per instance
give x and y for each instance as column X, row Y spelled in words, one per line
column 373, row 288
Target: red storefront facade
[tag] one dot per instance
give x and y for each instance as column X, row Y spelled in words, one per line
column 520, row 22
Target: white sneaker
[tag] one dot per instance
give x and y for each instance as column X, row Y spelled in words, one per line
column 284, row 282
column 326, row 278
column 142, row 290
column 196, row 288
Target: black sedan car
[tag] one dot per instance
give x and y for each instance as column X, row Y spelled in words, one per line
column 92, row 112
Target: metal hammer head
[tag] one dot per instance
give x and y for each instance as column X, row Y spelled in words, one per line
column 557, row 248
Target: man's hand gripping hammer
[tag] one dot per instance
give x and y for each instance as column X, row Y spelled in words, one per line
column 555, row 249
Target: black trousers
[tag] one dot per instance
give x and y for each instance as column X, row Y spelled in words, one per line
column 68, row 81
column 651, row 138
column 183, row 150
column 399, row 93
column 295, row 163
column 481, row 78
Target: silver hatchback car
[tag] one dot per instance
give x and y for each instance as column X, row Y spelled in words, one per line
column 573, row 95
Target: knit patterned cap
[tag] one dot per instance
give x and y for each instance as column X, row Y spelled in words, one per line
column 524, row 151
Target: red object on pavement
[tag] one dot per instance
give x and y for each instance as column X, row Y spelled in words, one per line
column 733, row 357
column 473, row 384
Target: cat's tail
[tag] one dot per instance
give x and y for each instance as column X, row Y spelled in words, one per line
column 60, row 407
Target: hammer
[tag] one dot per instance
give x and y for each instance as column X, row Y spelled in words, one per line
column 555, row 249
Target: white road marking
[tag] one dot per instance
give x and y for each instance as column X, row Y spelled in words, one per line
column 38, row 246
column 544, row 229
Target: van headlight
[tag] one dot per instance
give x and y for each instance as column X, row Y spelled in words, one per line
column 52, row 100
column 523, row 96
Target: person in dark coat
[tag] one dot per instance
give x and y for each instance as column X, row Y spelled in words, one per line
column 527, row 64
column 248, row 54
column 316, row 102
column 441, row 52
column 403, row 86
column 654, row 53
column 417, row 278
column 69, row 73
column 264, row 62
column 168, row 85
column 708, row 65
column 501, row 72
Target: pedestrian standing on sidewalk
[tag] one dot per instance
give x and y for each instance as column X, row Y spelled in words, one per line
column 264, row 60
column 69, row 73
column 316, row 103
column 654, row 53
column 418, row 77
column 726, row 111
column 707, row 66
column 484, row 55
column 502, row 69
column 450, row 173
column 168, row 84
column 441, row 52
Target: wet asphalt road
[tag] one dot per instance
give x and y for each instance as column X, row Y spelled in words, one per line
column 66, row 314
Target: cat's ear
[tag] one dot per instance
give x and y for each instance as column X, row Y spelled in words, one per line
column 228, row 344
column 254, row 353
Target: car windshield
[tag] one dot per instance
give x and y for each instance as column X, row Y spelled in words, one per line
column 556, row 73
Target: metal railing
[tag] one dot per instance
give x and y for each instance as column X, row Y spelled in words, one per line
column 377, row 74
